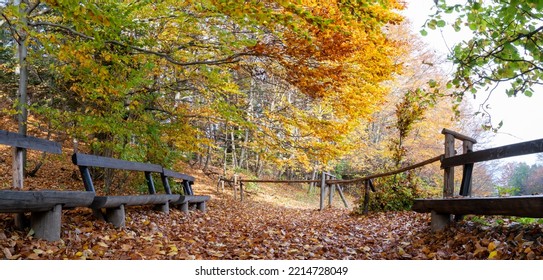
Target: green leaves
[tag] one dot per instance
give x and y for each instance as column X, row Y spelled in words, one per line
column 504, row 48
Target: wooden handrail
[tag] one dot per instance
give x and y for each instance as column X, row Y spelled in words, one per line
column 459, row 136
column 352, row 181
column 407, row 168
column 519, row 149
column 278, row 181
column 29, row 142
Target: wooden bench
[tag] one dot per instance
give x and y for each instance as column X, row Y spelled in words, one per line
column 188, row 198
column 447, row 209
column 112, row 208
column 442, row 209
column 45, row 206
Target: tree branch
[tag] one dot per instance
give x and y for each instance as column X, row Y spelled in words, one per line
column 230, row 59
column 12, row 29
column 32, row 8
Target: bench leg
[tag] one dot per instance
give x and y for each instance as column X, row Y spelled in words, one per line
column 116, row 216
column 440, row 221
column 184, row 207
column 201, row 206
column 98, row 214
column 46, row 225
column 163, row 208
column 21, row 221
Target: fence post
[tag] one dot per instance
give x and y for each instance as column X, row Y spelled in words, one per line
column 448, row 179
column 18, row 168
column 323, row 186
column 340, row 191
column 465, row 187
column 331, row 189
column 235, row 182
column 366, row 196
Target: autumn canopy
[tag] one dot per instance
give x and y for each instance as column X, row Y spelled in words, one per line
column 156, row 80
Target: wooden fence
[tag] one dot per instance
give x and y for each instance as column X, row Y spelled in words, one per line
column 449, row 160
column 329, row 184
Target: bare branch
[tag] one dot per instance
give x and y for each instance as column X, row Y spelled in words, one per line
column 31, row 8
column 12, row 29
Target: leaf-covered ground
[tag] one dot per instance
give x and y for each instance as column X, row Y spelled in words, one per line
column 274, row 222
column 259, row 230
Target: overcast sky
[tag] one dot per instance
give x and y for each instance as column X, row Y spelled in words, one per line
column 522, row 116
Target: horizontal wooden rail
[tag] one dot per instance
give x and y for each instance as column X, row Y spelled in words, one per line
column 407, row 168
column 519, row 149
column 459, row 136
column 279, row 181
column 29, row 142
column 352, row 181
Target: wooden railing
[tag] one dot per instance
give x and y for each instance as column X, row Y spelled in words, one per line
column 445, row 209
column 329, row 183
column 449, row 160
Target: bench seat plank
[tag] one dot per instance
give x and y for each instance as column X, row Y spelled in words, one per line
column 191, row 199
column 132, row 200
column 45, row 207
column 45, row 200
column 521, row 206
column 198, row 198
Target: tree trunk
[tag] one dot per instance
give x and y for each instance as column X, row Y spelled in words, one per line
column 225, row 148
column 243, row 154
column 233, row 145
column 313, row 177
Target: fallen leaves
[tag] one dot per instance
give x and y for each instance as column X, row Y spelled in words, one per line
column 258, row 230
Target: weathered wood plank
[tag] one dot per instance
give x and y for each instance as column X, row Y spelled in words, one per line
column 459, row 136
column 105, row 162
column 29, row 142
column 340, row 191
column 132, row 200
column 198, row 198
column 521, row 206
column 366, row 196
column 519, row 149
column 187, row 188
column 116, row 216
column 174, row 174
column 448, row 172
column 35, row 201
column 280, row 181
column 182, row 199
column 18, row 168
column 372, row 187
column 465, row 185
column 323, row 190
column 47, row 224
column 362, row 179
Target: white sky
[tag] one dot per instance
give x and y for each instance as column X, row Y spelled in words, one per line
column 522, row 116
